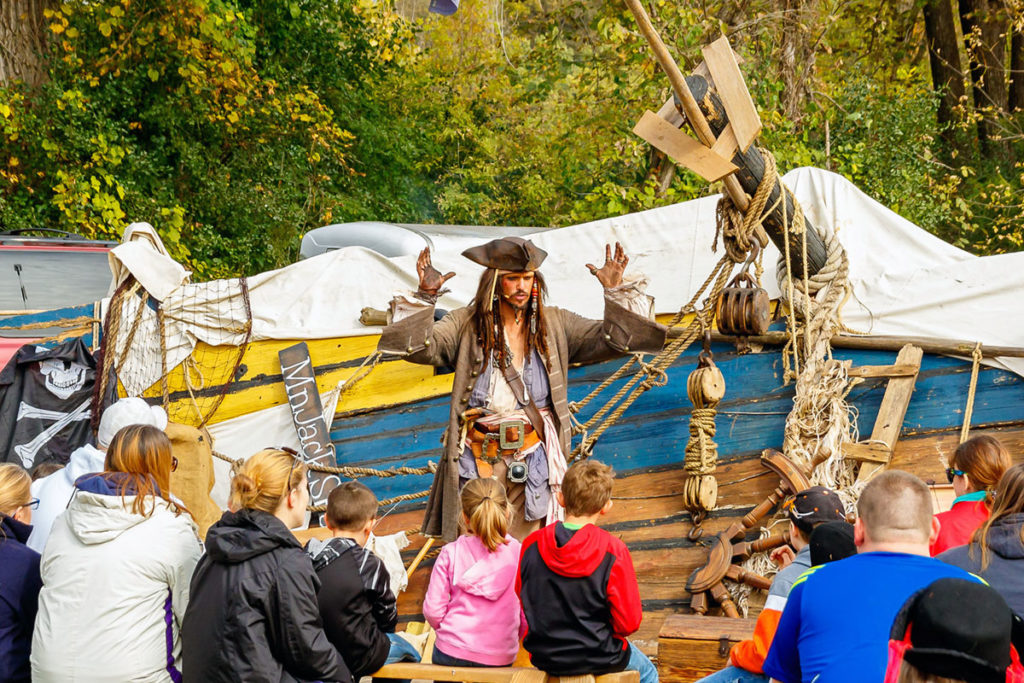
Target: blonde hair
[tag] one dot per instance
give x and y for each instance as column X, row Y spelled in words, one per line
column 487, row 511
column 15, row 487
column 143, row 454
column 264, row 480
column 984, row 460
column 911, row 674
column 587, row 486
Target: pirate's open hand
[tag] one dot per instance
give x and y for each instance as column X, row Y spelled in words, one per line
column 431, row 280
column 610, row 274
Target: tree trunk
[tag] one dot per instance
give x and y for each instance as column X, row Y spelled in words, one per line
column 985, row 25
column 796, row 63
column 944, row 58
column 1016, row 99
column 23, row 39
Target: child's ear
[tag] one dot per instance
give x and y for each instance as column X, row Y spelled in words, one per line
column 561, row 498
column 368, row 527
column 607, row 507
column 327, row 523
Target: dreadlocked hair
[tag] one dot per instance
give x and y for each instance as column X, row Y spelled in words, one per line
column 489, row 330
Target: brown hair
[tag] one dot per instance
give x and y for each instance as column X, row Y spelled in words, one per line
column 984, row 460
column 1009, row 500
column 491, row 335
column 895, row 507
column 587, row 487
column 45, row 469
column 486, row 507
column 911, row 674
column 143, row 454
column 266, row 478
column 15, row 487
column 350, row 505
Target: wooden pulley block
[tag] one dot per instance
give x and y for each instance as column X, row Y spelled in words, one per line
column 707, row 491
column 706, row 385
column 743, row 309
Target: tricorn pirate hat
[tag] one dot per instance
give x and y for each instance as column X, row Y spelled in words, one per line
column 507, row 253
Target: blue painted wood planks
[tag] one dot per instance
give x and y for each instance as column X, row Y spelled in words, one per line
column 653, row 432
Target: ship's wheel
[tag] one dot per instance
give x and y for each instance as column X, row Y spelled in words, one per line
column 728, row 550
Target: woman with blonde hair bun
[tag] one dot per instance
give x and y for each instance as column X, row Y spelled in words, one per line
column 254, row 615
column 19, row 574
column 116, row 571
column 974, row 471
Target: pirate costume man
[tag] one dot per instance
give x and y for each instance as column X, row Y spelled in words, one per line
column 509, row 416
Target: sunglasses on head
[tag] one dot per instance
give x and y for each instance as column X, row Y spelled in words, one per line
column 296, row 459
column 952, row 472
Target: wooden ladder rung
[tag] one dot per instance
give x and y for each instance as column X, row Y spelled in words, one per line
column 898, row 370
column 868, row 452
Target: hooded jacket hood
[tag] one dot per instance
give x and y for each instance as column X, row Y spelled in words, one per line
column 98, row 513
column 491, row 575
column 1004, row 537
column 580, row 556
column 243, row 535
column 12, row 528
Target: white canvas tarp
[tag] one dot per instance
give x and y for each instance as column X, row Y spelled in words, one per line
column 905, row 281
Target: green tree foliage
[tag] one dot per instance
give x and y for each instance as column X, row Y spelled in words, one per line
column 234, row 126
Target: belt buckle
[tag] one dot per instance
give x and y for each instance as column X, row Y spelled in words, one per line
column 520, row 430
column 489, row 438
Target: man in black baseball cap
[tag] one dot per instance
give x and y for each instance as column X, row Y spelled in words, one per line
column 958, row 630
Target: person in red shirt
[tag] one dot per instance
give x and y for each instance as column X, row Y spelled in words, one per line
column 977, row 465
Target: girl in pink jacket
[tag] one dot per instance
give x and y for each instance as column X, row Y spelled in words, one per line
column 471, row 601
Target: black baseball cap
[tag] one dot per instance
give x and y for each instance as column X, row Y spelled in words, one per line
column 815, row 505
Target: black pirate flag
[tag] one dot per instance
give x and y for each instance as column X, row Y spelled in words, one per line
column 45, row 400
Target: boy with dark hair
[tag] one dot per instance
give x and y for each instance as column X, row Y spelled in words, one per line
column 357, row 606
column 578, row 587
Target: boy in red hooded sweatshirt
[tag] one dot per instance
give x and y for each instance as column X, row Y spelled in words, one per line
column 578, row 588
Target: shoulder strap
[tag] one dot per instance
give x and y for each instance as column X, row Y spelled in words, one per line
column 529, row 407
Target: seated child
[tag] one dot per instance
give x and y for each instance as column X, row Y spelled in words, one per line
column 578, row 586
column 355, row 599
column 809, row 509
column 471, row 601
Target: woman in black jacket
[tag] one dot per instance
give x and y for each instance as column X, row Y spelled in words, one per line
column 253, row 615
column 996, row 553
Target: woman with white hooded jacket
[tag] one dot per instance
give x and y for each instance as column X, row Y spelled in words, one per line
column 116, row 571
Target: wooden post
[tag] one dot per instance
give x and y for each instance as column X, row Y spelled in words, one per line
column 751, row 170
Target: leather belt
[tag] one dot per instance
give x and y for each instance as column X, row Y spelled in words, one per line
column 491, row 443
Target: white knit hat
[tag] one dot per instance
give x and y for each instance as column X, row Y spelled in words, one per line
column 128, row 411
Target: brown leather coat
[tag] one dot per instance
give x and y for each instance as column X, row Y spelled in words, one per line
column 452, row 341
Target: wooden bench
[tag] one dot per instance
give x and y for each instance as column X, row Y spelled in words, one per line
column 504, row 674
column 691, row 646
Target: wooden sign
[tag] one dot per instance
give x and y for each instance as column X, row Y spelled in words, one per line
column 308, row 416
column 682, row 148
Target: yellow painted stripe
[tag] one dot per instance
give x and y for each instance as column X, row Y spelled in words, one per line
column 390, row 383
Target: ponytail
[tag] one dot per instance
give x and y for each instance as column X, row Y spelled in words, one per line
column 266, row 478
column 487, row 511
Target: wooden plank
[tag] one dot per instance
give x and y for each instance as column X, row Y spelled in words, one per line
column 721, row 62
column 867, row 452
column 893, row 409
column 308, row 416
column 682, row 148
column 669, row 112
column 502, row 674
column 726, row 144
column 867, row 371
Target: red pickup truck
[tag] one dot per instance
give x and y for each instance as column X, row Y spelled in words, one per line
column 44, row 273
